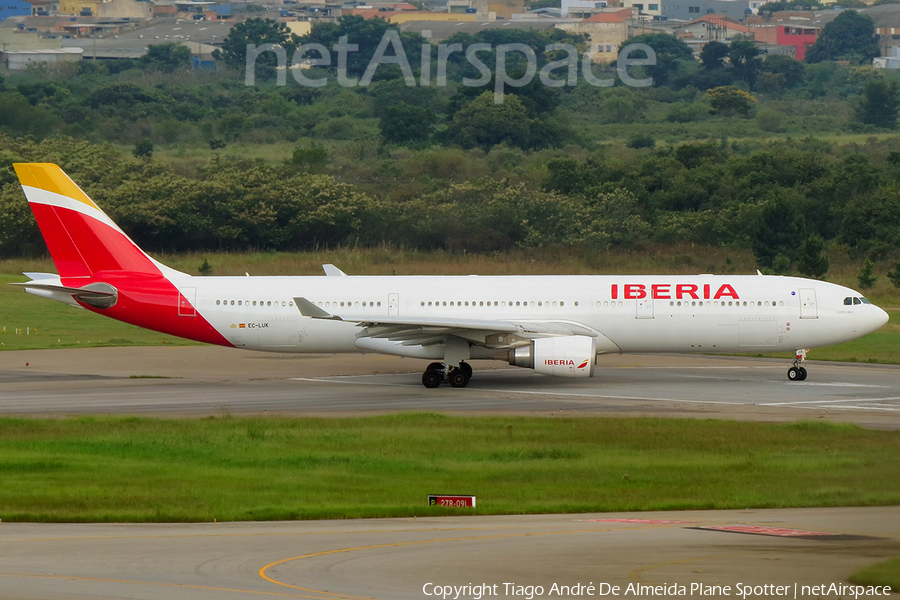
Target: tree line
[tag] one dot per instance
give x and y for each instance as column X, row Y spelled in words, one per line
column 784, row 200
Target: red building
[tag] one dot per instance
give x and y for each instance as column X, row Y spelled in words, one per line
column 799, row 37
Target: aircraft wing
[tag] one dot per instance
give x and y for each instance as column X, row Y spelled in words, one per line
column 425, row 331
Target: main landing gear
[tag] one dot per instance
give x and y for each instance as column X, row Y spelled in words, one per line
column 438, row 373
column 797, row 373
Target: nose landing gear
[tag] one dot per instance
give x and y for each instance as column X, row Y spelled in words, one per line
column 798, row 373
column 438, row 373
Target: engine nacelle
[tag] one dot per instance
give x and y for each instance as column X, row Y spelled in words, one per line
column 568, row 356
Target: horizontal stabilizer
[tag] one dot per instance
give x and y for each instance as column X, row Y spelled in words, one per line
column 98, row 295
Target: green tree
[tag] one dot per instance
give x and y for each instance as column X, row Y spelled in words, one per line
column 850, row 36
column 484, row 123
column 782, row 264
column 205, row 268
column 866, row 276
column 670, row 51
column 167, row 58
column 894, row 275
column 403, row 123
column 779, row 72
column 143, row 149
column 811, row 261
column 312, row 158
column 256, row 31
column 745, row 61
column 879, row 104
column 640, row 140
column 367, row 34
column 871, row 221
column 713, row 55
column 775, row 232
column 730, row 101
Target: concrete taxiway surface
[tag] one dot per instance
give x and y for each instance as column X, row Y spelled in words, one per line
column 394, row 559
column 198, row 381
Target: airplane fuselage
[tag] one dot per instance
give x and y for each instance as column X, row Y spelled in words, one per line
column 705, row 313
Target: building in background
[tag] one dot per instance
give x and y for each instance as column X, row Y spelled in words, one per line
column 606, row 31
column 14, row 8
column 689, row 10
column 19, row 60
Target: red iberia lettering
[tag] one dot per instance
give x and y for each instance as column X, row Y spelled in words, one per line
column 633, row 291
column 559, row 363
column 661, row 290
column 726, row 290
column 686, row 289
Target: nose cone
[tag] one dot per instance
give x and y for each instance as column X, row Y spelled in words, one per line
column 879, row 319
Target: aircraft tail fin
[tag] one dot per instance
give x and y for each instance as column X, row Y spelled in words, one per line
column 81, row 238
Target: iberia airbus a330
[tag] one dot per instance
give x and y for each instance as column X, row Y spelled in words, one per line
column 556, row 325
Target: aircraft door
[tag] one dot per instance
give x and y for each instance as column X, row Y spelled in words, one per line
column 187, row 300
column 644, row 308
column 393, row 305
column 808, row 309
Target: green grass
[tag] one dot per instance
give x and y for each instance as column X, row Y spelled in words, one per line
column 141, row 469
column 881, row 574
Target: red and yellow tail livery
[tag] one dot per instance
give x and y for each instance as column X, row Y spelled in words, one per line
column 100, row 267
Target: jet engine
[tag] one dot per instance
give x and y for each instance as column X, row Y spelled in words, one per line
column 567, row 356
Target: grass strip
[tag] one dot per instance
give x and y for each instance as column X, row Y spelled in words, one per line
column 881, row 574
column 101, row 469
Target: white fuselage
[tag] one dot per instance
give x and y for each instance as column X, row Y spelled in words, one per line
column 702, row 313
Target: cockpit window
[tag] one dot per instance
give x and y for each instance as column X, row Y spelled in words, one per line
column 864, row 301
column 857, row 301
column 848, row 301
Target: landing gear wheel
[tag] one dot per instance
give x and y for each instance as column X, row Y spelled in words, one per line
column 432, row 378
column 467, row 368
column 435, row 366
column 459, row 378
column 798, row 373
